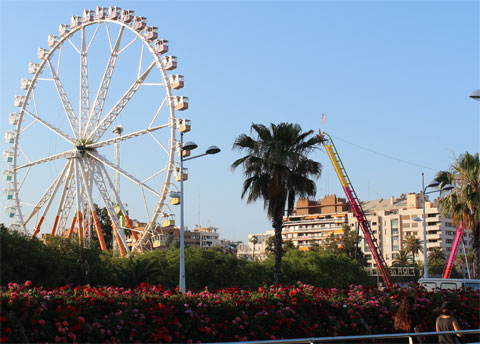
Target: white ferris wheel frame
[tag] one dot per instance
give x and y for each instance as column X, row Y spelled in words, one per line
column 79, row 176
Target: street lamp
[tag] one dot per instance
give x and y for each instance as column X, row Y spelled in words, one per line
column 432, row 184
column 188, row 146
column 475, row 95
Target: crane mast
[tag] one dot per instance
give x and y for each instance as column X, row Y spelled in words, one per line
column 357, row 208
column 453, row 253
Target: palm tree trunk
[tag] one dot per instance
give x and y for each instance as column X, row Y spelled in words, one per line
column 277, row 273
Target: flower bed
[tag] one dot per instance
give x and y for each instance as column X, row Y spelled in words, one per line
column 151, row 314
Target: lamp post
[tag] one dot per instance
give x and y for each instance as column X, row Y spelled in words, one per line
column 432, row 184
column 188, row 146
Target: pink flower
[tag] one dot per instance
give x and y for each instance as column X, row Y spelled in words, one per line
column 41, row 322
column 58, row 339
column 81, row 320
column 28, row 283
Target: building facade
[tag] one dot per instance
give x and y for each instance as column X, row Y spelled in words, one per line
column 255, row 249
column 391, row 221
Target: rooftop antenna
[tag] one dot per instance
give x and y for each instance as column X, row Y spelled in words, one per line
column 198, row 194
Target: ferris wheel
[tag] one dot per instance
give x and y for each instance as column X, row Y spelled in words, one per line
column 101, row 85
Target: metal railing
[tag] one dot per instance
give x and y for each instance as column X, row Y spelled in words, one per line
column 352, row 339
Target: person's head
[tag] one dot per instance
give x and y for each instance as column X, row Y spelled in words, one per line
column 403, row 318
column 408, row 304
column 447, row 308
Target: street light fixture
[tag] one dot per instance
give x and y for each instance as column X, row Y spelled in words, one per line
column 432, row 184
column 475, row 95
column 188, row 146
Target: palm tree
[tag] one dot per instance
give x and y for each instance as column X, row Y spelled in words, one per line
column 463, row 203
column 276, row 168
column 254, row 241
column 401, row 258
column 435, row 254
column 413, row 245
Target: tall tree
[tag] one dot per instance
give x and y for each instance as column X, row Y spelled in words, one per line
column 435, row 254
column 277, row 168
column 346, row 243
column 463, row 203
column 401, row 258
column 413, row 245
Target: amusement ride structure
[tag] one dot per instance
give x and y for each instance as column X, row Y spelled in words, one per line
column 106, row 70
column 357, row 208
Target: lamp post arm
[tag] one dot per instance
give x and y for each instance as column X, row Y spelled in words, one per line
column 194, row 157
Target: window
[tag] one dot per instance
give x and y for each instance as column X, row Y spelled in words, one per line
column 395, row 244
column 395, row 223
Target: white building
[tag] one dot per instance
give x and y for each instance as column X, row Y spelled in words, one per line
column 256, row 251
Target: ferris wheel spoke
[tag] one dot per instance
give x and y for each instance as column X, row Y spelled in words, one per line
column 79, row 200
column 105, row 123
column 108, row 35
column 93, row 36
column 66, row 204
column 128, row 44
column 146, row 206
column 62, row 205
column 48, row 197
column 126, row 137
column 88, row 192
column 152, row 223
column 158, row 111
column 159, row 143
column 101, row 187
column 66, row 154
column 154, row 175
column 118, row 200
column 102, row 92
column 84, row 98
column 73, row 45
column 67, row 106
column 51, row 127
column 59, row 58
column 116, row 168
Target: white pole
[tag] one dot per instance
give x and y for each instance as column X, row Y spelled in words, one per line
column 466, row 259
column 182, row 241
column 425, row 251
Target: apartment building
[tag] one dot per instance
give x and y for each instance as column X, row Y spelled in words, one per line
column 391, row 221
column 255, row 251
column 204, row 237
column 314, row 221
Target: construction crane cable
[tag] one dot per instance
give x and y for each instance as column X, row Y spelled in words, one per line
column 385, row 155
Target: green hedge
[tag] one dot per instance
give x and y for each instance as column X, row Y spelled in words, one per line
column 62, row 261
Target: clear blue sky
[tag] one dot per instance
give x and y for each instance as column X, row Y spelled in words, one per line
column 391, row 76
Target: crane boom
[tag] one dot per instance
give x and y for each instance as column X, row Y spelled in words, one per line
column 451, row 257
column 357, row 208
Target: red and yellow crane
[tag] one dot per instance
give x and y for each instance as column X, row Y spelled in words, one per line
column 357, row 208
